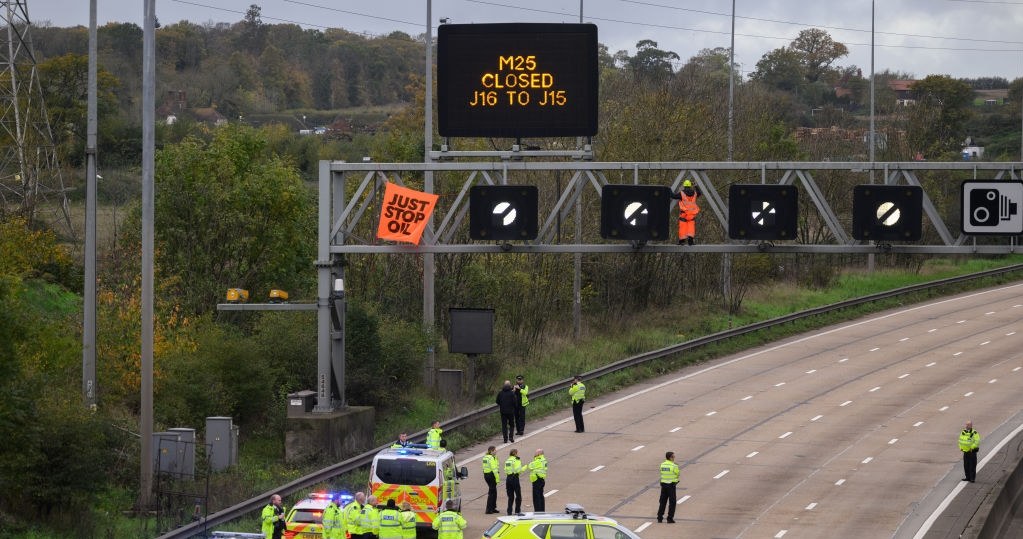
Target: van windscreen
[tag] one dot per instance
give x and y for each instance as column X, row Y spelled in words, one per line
column 406, row 471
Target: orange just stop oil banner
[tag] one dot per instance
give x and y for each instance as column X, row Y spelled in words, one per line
column 404, row 214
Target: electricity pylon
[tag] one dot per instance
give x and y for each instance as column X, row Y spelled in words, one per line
column 31, row 183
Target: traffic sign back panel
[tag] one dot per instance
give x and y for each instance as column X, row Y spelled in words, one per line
column 992, row 208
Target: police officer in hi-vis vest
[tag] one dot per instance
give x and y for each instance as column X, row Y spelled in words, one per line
column 669, row 481
column 969, row 444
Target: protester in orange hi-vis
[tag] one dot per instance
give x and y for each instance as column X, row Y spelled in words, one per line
column 404, row 214
column 687, row 210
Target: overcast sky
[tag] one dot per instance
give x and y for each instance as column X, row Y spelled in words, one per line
column 961, row 38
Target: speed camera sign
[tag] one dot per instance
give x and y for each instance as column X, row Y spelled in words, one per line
column 992, row 207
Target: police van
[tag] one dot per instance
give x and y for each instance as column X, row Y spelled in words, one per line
column 426, row 478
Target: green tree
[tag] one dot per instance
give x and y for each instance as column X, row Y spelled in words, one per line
column 781, row 69
column 65, row 85
column 651, row 62
column 817, row 52
column 938, row 118
column 230, row 213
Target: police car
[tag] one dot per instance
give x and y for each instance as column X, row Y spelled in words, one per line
column 305, row 520
column 574, row 523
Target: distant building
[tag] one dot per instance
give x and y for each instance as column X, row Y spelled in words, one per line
column 903, row 91
column 972, row 153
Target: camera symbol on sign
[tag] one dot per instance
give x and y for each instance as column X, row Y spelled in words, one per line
column 990, row 207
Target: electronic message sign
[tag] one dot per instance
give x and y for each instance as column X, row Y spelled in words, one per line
column 517, row 80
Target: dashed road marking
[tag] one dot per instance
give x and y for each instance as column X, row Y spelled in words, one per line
column 943, row 408
column 931, row 364
column 816, row 417
column 843, row 360
column 961, row 322
column 710, row 413
column 779, row 384
column 957, row 354
column 811, row 506
column 839, row 482
column 904, row 376
column 786, row 435
column 643, row 526
column 682, row 499
column 753, row 454
column 811, row 371
column 1010, row 334
column 676, row 429
column 918, row 423
column 550, row 493
column 722, row 474
column 598, row 468
column 747, row 397
column 846, row 403
column 875, row 349
column 904, row 339
column 932, row 330
column 892, row 441
column 780, row 534
column 875, row 388
column 989, row 312
column 867, row 460
column 985, row 342
column 638, row 447
column 993, row 380
column 968, row 393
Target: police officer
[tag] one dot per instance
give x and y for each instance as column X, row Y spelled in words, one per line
column 272, row 518
column 402, row 441
column 492, row 476
column 333, row 521
column 408, row 521
column 969, row 444
column 449, row 524
column 578, row 394
column 669, row 481
column 390, row 521
column 369, row 519
column 352, row 512
column 433, row 436
column 538, row 477
column 512, row 467
column 522, row 392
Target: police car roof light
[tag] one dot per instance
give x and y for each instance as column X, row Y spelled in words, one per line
column 409, row 452
column 575, row 510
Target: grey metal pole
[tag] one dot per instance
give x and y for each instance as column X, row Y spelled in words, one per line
column 577, row 259
column 870, row 139
column 89, row 293
column 323, row 338
column 148, row 196
column 428, row 258
column 731, row 86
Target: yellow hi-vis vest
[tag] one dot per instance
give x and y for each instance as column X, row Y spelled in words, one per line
column 449, row 525
column 333, row 522
column 669, row 472
column 433, row 438
column 390, row 524
column 351, row 515
column 538, row 468
column 492, row 466
column 969, row 440
column 524, row 394
column 513, row 466
column 577, row 392
column 408, row 525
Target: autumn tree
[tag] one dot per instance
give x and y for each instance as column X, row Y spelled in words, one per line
column 936, row 121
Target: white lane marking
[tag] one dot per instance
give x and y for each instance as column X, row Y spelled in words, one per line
column 779, row 384
column 843, row 360
column 780, row 534
column 1014, row 306
column 722, row 474
column 989, row 312
column 676, row 429
column 892, row 441
column 682, row 499
column 1016, row 369
column 867, row 460
column 753, row 454
column 875, row 349
column 811, row 506
column 638, row 447
column 839, row 482
column 710, row 413
column 846, row 403
column 643, row 526
column 918, row 423
column 1010, row 334
column 943, row 408
column 904, row 376
column 816, row 417
column 786, row 435
column 985, row 342
column 961, row 322
column 932, row 330
column 873, row 389
column 968, row 393
column 904, row 339
column 550, row 493
column 598, row 468
column 811, row 371
column 957, row 354
column 931, row 364
column 960, row 485
column 747, row 397
column 993, row 380
column 757, row 353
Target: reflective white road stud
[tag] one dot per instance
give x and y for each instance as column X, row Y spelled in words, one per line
column 992, row 207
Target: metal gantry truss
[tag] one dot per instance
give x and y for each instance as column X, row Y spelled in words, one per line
column 355, row 189
column 350, row 200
